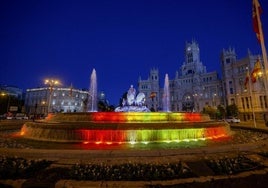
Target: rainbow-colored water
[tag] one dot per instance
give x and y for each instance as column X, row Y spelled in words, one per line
column 132, row 117
column 145, row 136
column 126, row 127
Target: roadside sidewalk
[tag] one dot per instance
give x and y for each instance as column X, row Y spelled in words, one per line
column 251, row 125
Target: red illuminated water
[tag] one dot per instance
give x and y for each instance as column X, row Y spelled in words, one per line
column 109, row 129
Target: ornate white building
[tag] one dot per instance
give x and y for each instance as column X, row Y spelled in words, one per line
column 192, row 89
column 250, row 98
column 58, row 99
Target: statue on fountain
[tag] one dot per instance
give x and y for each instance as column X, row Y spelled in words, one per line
column 133, row 103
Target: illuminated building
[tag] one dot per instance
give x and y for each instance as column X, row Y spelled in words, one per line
column 192, row 89
column 250, row 98
column 63, row 99
column 11, row 99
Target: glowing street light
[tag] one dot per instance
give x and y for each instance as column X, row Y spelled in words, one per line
column 213, row 99
column 51, row 83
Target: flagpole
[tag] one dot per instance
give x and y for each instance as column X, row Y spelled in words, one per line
column 264, row 53
column 251, row 98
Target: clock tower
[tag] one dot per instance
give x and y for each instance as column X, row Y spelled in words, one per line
column 192, row 64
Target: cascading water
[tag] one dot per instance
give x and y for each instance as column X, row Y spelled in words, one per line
column 166, row 95
column 92, row 107
column 126, row 127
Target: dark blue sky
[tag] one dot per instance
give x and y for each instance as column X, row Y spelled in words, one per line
column 121, row 39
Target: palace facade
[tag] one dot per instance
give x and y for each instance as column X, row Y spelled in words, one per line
column 193, row 88
column 249, row 95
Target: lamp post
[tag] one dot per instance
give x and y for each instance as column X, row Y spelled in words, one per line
column 196, row 102
column 213, row 99
column 51, row 83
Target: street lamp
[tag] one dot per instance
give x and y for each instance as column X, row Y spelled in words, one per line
column 51, row 83
column 196, row 102
column 213, row 99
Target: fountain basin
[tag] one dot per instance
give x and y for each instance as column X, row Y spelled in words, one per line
column 129, row 117
column 122, row 127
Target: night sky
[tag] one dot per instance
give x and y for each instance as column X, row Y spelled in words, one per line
column 121, row 39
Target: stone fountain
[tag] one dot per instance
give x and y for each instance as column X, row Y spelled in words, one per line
column 125, row 127
column 132, row 122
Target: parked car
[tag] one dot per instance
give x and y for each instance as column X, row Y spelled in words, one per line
column 21, row 116
column 2, row 116
column 232, row 120
column 10, row 117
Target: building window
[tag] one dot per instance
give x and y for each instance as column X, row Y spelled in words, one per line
column 232, row 101
column 265, row 101
column 247, row 103
column 261, row 101
column 190, row 57
column 243, row 103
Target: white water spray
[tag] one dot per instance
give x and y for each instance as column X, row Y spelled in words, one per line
column 166, row 95
column 93, row 92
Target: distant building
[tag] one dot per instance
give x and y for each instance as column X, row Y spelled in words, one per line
column 11, row 99
column 59, row 99
column 250, row 97
column 192, row 89
column 12, row 91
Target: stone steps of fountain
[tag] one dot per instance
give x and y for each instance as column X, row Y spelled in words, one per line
column 126, row 126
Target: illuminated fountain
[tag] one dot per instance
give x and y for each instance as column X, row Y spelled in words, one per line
column 93, row 92
column 131, row 123
column 125, row 127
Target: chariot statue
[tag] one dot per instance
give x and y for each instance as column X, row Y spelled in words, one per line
column 133, row 102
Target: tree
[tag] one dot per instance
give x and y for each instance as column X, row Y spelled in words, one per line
column 85, row 103
column 210, row 111
column 103, row 106
column 221, row 112
column 232, row 110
